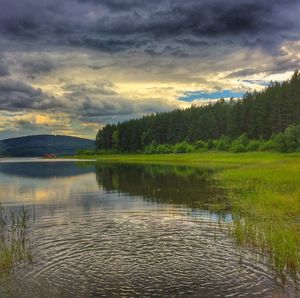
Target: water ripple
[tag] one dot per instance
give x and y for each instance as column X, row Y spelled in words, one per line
column 153, row 253
column 111, row 230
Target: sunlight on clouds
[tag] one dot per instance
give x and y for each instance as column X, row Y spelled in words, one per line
column 280, row 76
column 55, row 189
column 91, row 125
column 91, row 88
column 44, row 119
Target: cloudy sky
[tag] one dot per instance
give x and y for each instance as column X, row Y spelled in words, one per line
column 71, row 66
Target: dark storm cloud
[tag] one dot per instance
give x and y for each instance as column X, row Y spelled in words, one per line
column 17, row 95
column 114, row 26
column 38, row 66
column 98, row 67
column 105, row 107
column 102, row 100
column 106, row 45
column 4, row 71
column 182, row 44
column 119, row 106
column 243, row 73
column 26, row 124
column 81, row 90
column 86, row 102
column 117, row 5
column 280, row 65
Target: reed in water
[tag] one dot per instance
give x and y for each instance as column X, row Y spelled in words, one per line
column 15, row 248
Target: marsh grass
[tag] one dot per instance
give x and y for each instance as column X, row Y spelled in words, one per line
column 264, row 194
column 266, row 211
column 15, row 248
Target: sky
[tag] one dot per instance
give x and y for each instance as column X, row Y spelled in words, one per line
column 72, row 66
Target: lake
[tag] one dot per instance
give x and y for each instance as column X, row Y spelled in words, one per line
column 124, row 230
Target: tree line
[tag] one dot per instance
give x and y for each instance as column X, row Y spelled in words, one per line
column 287, row 141
column 259, row 116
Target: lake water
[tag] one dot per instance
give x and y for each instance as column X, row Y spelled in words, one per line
column 112, row 230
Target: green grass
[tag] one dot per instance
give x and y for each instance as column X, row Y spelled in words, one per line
column 15, row 248
column 211, row 158
column 266, row 205
column 264, row 191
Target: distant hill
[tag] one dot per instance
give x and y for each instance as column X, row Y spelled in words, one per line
column 39, row 145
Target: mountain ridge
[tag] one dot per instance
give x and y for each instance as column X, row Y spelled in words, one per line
column 39, row 145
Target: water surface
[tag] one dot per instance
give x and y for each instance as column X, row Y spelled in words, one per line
column 116, row 230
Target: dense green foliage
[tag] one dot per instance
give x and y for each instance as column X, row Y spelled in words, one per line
column 259, row 116
column 85, row 152
column 286, row 141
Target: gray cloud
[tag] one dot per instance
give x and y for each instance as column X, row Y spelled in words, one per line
column 4, row 71
column 17, row 95
column 98, row 67
column 119, row 106
column 113, row 26
column 105, row 107
column 102, row 100
column 78, row 91
column 181, row 44
column 280, row 65
column 111, row 45
column 37, row 66
column 81, row 101
column 15, row 126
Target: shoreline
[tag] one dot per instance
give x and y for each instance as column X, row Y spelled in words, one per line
column 39, row 159
column 214, row 158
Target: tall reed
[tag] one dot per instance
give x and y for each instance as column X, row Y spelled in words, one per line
column 15, row 246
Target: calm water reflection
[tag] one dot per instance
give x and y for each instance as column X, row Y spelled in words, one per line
column 111, row 230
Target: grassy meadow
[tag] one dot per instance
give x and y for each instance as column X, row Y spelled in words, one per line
column 264, row 191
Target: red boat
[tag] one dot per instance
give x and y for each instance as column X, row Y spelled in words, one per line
column 51, row 155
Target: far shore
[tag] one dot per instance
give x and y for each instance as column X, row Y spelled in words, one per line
column 41, row 159
column 216, row 158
